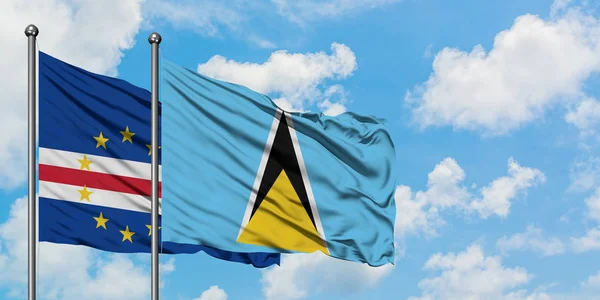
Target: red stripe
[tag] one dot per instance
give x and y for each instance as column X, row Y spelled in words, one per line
column 97, row 180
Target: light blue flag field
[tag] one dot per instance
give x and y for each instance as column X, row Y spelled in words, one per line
column 243, row 175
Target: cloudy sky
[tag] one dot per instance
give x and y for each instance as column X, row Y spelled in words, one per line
column 493, row 107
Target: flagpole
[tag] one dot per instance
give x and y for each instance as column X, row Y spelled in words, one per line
column 154, row 40
column 31, row 32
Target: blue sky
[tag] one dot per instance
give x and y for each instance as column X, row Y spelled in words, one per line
column 491, row 104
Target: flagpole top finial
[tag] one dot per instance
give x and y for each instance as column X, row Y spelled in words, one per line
column 154, row 38
column 31, row 30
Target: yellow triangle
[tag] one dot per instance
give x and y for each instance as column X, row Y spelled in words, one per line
column 282, row 222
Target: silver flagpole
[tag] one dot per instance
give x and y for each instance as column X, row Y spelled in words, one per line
column 154, row 40
column 31, row 32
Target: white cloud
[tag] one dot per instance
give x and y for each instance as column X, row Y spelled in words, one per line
column 585, row 174
column 335, row 99
column 210, row 18
column 593, row 205
column 514, row 83
column 332, row 109
column 261, row 42
column 524, row 295
column 204, row 16
column 73, row 31
column 213, row 293
column 593, row 282
column 214, row 18
column 53, row 258
column 286, row 105
column 84, row 272
column 559, row 6
column 443, row 185
column 302, row 11
column 589, row 242
column 166, row 267
column 107, row 282
column 586, row 116
column 420, row 211
column 428, row 51
column 472, row 275
column 532, row 239
column 415, row 214
column 301, row 273
column 295, row 78
column 496, row 196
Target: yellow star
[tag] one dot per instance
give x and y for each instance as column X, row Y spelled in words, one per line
column 85, row 194
column 85, row 163
column 101, row 140
column 127, row 135
column 150, row 149
column 150, row 229
column 101, row 221
column 127, row 234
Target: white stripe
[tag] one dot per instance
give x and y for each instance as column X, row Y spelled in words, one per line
column 309, row 192
column 261, row 171
column 67, row 192
column 100, row 164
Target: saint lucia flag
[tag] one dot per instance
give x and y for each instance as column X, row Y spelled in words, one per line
column 243, row 175
column 94, row 166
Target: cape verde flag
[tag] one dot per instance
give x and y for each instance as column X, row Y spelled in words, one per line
column 94, row 165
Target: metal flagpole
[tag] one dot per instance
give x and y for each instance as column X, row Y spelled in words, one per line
column 154, row 40
column 31, row 32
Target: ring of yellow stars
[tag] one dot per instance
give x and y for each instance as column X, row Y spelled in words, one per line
column 85, row 163
column 127, row 234
column 127, row 135
column 150, row 229
column 150, row 147
column 101, row 221
column 101, row 140
column 85, row 194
